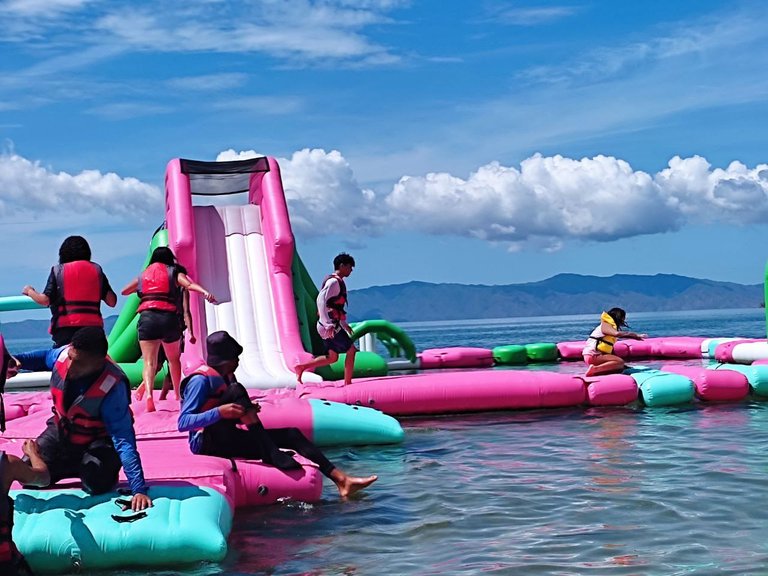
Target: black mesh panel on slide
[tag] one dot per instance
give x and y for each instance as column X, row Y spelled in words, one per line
column 218, row 178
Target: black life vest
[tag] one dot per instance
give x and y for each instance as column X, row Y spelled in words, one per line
column 81, row 422
column 157, row 288
column 79, row 289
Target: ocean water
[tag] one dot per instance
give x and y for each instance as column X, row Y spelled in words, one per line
column 565, row 491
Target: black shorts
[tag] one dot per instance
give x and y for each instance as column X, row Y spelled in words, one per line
column 159, row 325
column 341, row 342
column 63, row 336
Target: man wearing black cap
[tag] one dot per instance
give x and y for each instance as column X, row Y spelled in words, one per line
column 214, row 403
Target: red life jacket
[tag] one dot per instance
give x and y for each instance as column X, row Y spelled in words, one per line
column 336, row 304
column 158, row 289
column 218, row 384
column 79, row 286
column 81, row 423
column 10, row 557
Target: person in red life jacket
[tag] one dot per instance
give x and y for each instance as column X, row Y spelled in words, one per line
column 14, row 469
column 214, row 404
column 159, row 288
column 90, row 435
column 74, row 291
column 332, row 324
column 185, row 318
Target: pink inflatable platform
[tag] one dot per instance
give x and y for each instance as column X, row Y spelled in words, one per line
column 456, row 357
column 166, row 458
column 678, row 347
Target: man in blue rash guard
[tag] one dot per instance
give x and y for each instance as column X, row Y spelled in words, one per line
column 214, row 403
column 91, row 433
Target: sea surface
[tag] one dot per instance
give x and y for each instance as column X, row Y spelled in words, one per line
column 590, row 491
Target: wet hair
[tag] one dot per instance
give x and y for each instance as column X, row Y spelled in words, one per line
column 74, row 248
column 341, row 259
column 164, row 255
column 619, row 316
column 91, row 340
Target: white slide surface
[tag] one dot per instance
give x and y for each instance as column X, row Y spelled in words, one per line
column 231, row 263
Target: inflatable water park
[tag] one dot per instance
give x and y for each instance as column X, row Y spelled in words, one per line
column 245, row 253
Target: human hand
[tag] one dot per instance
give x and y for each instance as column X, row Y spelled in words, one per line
column 30, row 448
column 13, row 368
column 327, row 332
column 641, row 336
column 140, row 502
column 192, row 338
column 231, row 411
column 209, row 297
column 27, row 290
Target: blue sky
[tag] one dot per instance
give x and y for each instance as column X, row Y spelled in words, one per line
column 487, row 142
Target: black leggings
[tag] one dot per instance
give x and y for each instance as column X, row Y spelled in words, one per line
column 97, row 464
column 226, row 440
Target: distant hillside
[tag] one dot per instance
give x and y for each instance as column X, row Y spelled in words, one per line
column 561, row 294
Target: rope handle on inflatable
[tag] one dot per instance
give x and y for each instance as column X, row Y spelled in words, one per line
column 131, row 518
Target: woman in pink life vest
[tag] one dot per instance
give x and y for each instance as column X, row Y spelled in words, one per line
column 158, row 288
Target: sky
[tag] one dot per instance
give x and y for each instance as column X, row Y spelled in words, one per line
column 487, row 142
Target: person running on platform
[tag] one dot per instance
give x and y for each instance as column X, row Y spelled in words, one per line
column 214, row 404
column 598, row 350
column 158, row 288
column 332, row 324
column 74, row 291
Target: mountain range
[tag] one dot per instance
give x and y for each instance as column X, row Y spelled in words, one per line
column 559, row 295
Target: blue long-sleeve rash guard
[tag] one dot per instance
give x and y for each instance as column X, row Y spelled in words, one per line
column 191, row 419
column 114, row 413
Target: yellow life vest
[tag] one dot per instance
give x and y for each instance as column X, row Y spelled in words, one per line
column 605, row 344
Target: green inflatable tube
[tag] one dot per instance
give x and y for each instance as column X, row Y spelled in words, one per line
column 383, row 326
column 541, row 352
column 367, row 365
column 511, row 354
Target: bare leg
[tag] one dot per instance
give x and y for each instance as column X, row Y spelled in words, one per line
column 316, row 362
column 149, row 350
column 605, row 364
column 174, row 365
column 166, row 387
column 349, row 485
column 349, row 365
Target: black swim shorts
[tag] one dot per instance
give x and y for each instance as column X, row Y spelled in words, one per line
column 159, row 325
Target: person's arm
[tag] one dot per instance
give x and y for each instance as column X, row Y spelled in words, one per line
column 47, row 296
column 186, row 282
column 131, row 287
column 188, row 316
column 117, row 419
column 196, row 393
column 330, row 289
column 34, row 473
column 37, row 360
column 107, row 294
column 609, row 330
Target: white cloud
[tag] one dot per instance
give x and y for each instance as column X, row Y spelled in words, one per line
column 543, row 204
column 532, row 16
column 127, row 110
column 262, row 105
column 209, row 82
column 32, row 192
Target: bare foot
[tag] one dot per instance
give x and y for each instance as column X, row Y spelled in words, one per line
column 176, row 397
column 351, row 484
column 299, row 369
column 590, row 371
column 140, row 392
column 150, row 404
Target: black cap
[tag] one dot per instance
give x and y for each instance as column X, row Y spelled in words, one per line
column 221, row 347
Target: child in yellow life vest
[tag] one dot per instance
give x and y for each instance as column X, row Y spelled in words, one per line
column 598, row 350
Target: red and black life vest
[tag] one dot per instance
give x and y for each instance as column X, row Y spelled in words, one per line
column 218, row 384
column 11, row 560
column 81, row 422
column 79, row 288
column 336, row 304
column 157, row 288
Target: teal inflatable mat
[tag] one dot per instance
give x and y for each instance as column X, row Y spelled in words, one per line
column 658, row 388
column 335, row 423
column 69, row 530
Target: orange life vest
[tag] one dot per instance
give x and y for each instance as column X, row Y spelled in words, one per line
column 158, row 289
column 219, row 386
column 81, row 422
column 79, row 286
